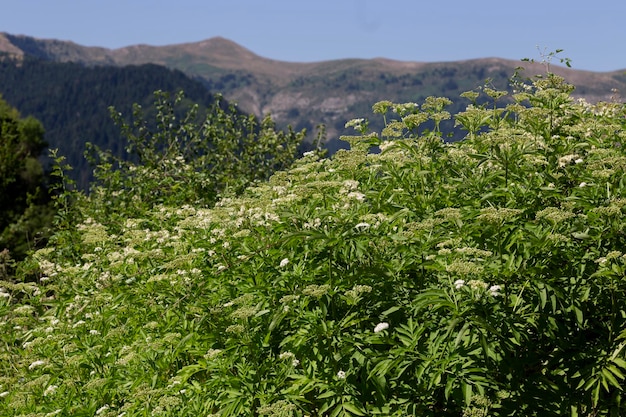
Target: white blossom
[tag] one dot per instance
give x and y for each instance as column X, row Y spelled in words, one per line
column 284, row 263
column 341, row 375
column 36, row 364
column 459, row 283
column 494, row 290
column 380, row 327
column 286, row 355
column 356, row 195
column 102, row 409
column 50, row 390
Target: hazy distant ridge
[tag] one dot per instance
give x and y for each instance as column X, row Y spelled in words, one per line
column 307, row 94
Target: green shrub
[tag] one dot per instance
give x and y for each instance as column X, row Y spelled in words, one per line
column 190, row 158
column 484, row 277
column 25, row 212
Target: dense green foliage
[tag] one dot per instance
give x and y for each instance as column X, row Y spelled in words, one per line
column 483, row 277
column 72, row 101
column 24, row 210
column 189, row 158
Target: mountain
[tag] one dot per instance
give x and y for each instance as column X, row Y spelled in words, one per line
column 307, row 94
column 72, row 100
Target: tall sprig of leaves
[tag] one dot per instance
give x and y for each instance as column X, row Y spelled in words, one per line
column 180, row 156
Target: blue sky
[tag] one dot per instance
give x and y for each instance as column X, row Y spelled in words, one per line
column 591, row 33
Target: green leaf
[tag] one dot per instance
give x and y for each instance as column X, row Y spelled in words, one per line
column 336, row 411
column 595, row 395
column 619, row 362
column 543, row 295
column 461, row 333
column 327, row 394
column 615, row 371
column 611, row 379
column 588, row 383
column 579, row 316
column 390, row 311
column 449, row 385
column 467, row 392
column 353, row 409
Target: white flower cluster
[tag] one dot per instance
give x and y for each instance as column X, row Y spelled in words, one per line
column 289, row 356
column 355, row 123
column 356, row 196
column 50, row 390
column 386, row 145
column 568, row 159
column 36, row 364
column 493, row 290
column 380, row 327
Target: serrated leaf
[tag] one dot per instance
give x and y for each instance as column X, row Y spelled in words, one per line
column 543, row 296
column 595, row 395
column 608, row 376
column 619, row 362
column 615, row 371
column 589, row 383
column 353, row 409
column 467, row 393
column 336, row 411
column 327, row 394
column 460, row 335
column 389, row 311
column 579, row 316
column 448, row 388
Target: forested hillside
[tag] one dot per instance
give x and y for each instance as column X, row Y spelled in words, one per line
column 72, row 101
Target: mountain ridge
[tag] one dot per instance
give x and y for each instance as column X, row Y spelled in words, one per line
column 306, row 94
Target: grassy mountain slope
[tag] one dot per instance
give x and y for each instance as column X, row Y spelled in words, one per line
column 307, row 94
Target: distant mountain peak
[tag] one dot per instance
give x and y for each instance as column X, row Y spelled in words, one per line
column 219, row 42
column 219, row 47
